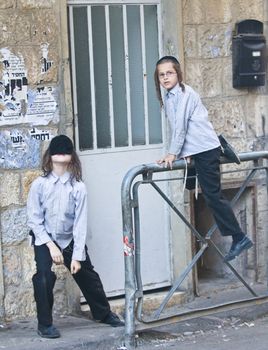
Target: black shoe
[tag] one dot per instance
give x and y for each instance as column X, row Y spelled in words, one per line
column 48, row 331
column 237, row 248
column 113, row 320
column 228, row 151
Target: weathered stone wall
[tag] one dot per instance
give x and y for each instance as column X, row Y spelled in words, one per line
column 33, row 108
column 208, row 30
column 240, row 114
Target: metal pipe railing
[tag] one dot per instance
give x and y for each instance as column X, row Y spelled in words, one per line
column 130, row 205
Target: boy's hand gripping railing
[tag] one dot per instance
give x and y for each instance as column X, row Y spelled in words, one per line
column 129, row 197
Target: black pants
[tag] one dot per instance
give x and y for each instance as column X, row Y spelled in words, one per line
column 87, row 279
column 207, row 166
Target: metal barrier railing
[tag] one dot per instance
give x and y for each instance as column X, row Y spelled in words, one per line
column 131, row 234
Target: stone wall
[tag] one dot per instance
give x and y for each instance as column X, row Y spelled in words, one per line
column 240, row 114
column 33, row 107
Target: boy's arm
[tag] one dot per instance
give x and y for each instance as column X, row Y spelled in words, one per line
column 35, row 214
column 80, row 223
column 36, row 222
column 183, row 114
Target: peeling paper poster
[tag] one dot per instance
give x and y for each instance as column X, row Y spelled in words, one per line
column 21, row 148
column 18, row 104
column 18, row 150
column 42, row 106
column 41, row 135
column 46, row 63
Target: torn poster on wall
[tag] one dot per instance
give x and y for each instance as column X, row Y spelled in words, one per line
column 21, row 148
column 46, row 63
column 41, row 135
column 18, row 104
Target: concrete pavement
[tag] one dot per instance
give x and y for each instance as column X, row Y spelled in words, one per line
column 209, row 333
column 76, row 333
column 241, row 329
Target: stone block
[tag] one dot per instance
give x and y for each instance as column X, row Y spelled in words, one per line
column 214, row 40
column 193, row 75
column 15, row 28
column 9, row 189
column 194, row 12
column 34, row 64
column 61, row 271
column 18, row 150
column 26, row 181
column 6, row 4
column 25, row 27
column 256, row 112
column 205, row 76
column 218, row 11
column 25, row 308
column 31, row 4
column 28, row 268
column 265, row 12
column 150, row 302
column 248, row 9
column 68, row 115
column 227, row 116
column 45, row 27
column 261, row 224
column 14, row 226
column 213, row 11
column 61, row 303
column 73, row 295
column 190, row 41
column 12, row 265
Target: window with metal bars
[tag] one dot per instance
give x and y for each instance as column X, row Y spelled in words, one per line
column 114, row 48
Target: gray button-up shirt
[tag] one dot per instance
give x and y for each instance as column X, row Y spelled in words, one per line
column 191, row 131
column 57, row 211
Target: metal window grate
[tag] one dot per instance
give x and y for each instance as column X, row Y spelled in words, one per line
column 114, row 48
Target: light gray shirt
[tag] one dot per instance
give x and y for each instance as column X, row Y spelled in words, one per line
column 191, row 131
column 57, row 211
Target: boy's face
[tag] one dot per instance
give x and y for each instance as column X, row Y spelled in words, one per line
column 167, row 75
column 61, row 158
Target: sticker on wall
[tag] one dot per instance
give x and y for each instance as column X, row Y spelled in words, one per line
column 42, row 106
column 46, row 63
column 18, row 149
column 128, row 247
column 18, row 104
column 13, row 85
column 41, row 135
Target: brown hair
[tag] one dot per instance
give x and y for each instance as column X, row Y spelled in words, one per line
column 176, row 66
column 74, row 167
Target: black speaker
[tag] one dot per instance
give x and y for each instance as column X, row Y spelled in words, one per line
column 249, row 54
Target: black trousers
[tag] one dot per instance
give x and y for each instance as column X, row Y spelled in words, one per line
column 87, row 279
column 207, row 166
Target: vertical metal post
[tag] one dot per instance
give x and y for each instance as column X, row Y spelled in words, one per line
column 129, row 251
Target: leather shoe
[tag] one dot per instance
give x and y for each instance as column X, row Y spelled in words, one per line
column 48, row 331
column 228, row 151
column 237, row 248
column 113, row 320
